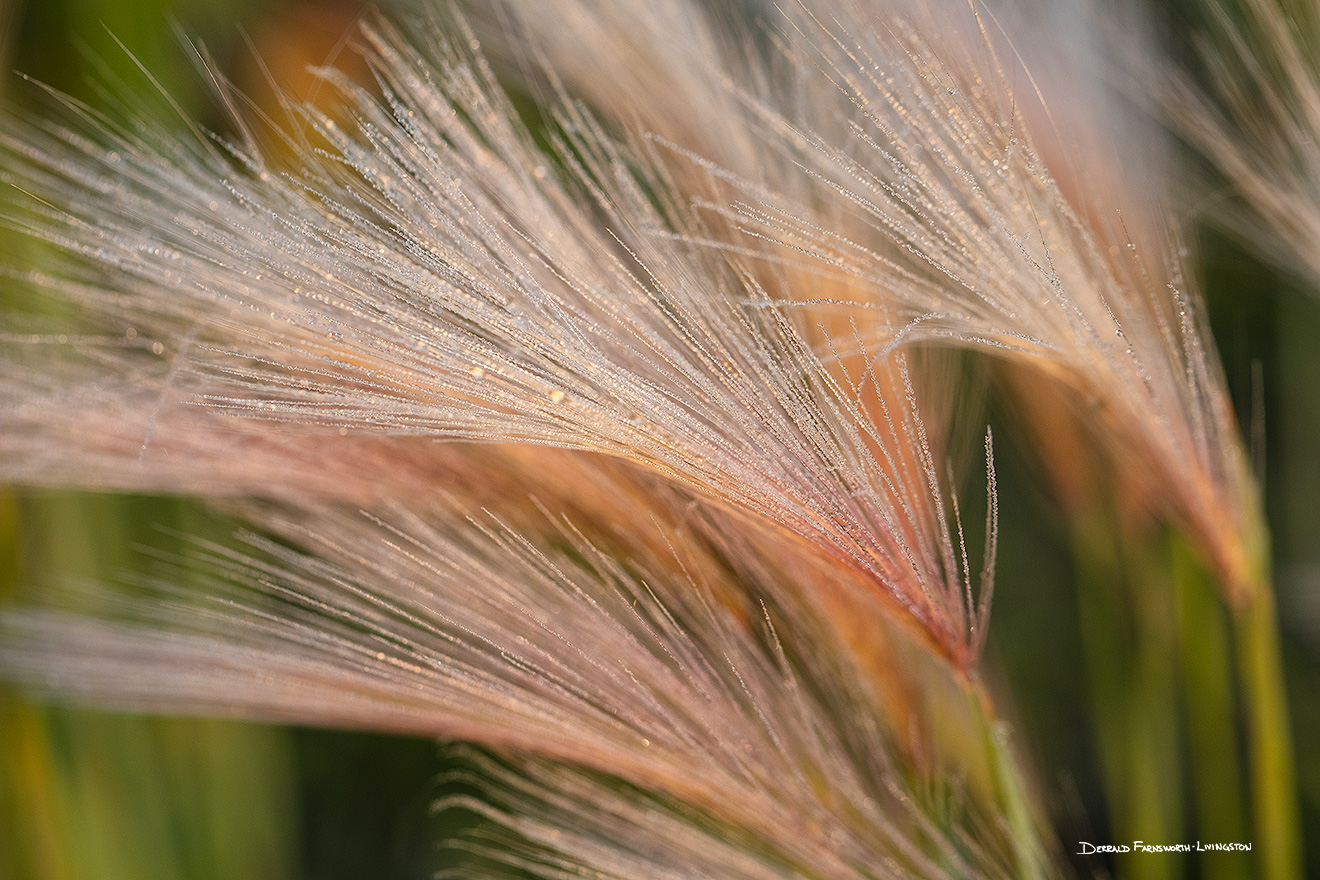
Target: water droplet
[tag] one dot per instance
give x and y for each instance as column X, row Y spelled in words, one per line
column 478, row 372
column 515, row 312
column 131, row 333
column 556, row 396
column 157, row 348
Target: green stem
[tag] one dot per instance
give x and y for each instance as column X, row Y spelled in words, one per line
column 1207, row 667
column 1129, row 637
column 1273, row 793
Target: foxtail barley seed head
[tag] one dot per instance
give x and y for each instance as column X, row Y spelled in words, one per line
column 591, row 433
column 430, row 271
column 895, row 175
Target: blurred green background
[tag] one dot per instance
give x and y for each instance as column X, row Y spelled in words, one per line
column 91, row 795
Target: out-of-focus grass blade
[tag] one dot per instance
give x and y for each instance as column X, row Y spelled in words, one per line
column 101, row 796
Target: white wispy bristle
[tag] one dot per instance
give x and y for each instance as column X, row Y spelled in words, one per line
column 1255, row 117
column 598, row 652
column 628, row 833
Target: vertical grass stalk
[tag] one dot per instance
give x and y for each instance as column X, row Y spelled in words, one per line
column 1274, row 798
column 1131, row 656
